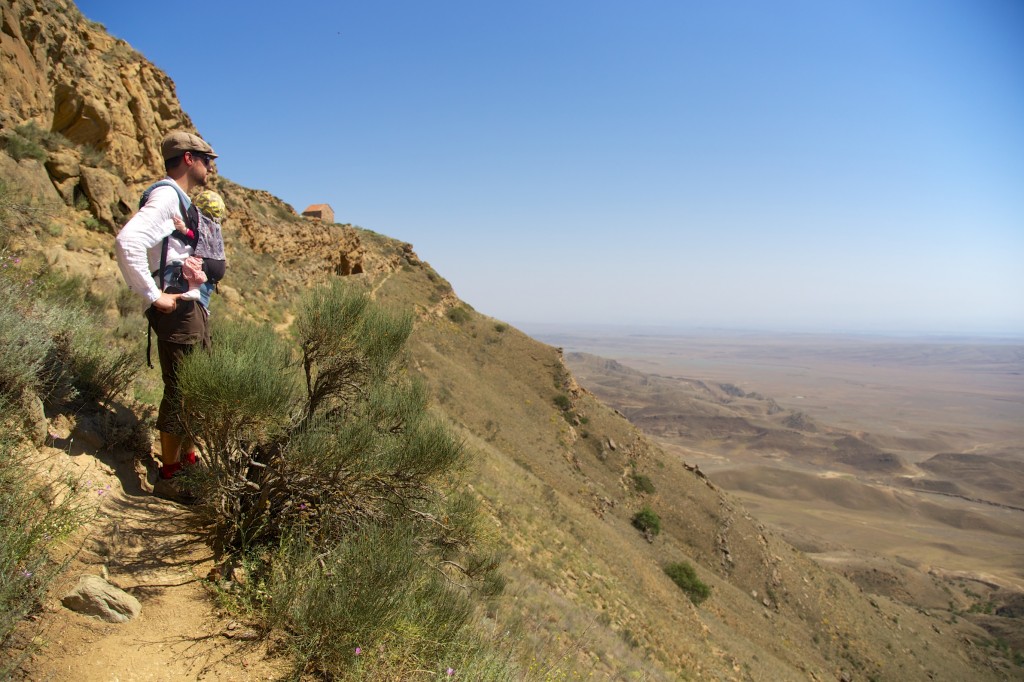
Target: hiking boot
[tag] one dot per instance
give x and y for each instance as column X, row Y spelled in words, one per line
column 176, row 489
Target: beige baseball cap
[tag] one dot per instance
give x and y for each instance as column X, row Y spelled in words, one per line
column 179, row 142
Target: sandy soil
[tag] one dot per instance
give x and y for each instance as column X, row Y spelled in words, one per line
column 152, row 549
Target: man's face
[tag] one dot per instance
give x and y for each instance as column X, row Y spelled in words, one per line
column 200, row 168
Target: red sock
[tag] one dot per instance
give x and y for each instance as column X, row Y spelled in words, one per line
column 189, row 458
column 168, row 470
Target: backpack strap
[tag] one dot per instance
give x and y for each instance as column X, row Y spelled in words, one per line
column 184, row 204
column 183, row 199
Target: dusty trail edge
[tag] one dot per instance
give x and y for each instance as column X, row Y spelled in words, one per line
column 154, row 550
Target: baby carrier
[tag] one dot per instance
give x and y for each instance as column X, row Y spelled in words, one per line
column 206, row 242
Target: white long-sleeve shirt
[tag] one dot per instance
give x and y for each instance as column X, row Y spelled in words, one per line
column 140, row 241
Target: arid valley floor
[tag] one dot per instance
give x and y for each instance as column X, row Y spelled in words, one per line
column 899, row 461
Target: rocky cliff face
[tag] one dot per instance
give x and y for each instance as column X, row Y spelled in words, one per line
column 69, row 76
column 103, row 109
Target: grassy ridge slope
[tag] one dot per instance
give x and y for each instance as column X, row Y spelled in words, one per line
column 563, row 499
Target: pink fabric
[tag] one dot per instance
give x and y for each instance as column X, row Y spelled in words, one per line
column 192, row 269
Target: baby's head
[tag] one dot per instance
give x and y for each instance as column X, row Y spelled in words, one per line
column 211, row 204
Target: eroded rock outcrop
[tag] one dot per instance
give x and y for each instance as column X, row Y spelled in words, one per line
column 69, row 76
column 103, row 109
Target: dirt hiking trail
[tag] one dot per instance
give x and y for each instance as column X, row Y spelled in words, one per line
column 153, row 550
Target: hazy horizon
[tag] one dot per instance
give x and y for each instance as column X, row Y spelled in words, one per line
column 554, row 330
column 820, row 166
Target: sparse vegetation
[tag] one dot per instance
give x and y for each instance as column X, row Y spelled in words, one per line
column 985, row 607
column 732, row 390
column 29, row 141
column 50, row 343
column 647, row 521
column 685, row 576
column 340, row 476
column 642, row 483
column 93, row 157
column 459, row 315
column 30, row 527
column 20, row 147
column 560, row 376
column 34, row 515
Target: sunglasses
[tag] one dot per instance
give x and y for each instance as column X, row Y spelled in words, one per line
column 205, row 158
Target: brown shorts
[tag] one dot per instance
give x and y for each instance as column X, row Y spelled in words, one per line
column 178, row 334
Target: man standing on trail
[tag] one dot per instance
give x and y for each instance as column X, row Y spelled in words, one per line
column 145, row 247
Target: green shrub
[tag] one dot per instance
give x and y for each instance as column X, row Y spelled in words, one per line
column 33, row 515
column 369, row 588
column 684, row 575
column 501, row 327
column 340, row 475
column 562, row 402
column 647, row 521
column 51, row 344
column 98, row 371
column 29, row 528
column 47, row 138
column 459, row 315
column 29, row 141
column 642, row 483
column 26, row 333
column 127, row 302
column 19, row 147
column 237, row 397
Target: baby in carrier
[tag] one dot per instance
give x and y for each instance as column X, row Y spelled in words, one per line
column 200, row 272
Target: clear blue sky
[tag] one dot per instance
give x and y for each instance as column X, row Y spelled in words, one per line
column 839, row 165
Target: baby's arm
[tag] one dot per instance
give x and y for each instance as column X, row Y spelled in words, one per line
column 180, row 226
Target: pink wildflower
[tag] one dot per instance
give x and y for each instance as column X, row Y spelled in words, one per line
column 359, row 650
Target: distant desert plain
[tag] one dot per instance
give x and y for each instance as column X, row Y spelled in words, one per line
column 898, row 461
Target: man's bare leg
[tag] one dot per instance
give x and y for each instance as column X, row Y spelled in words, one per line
column 170, row 447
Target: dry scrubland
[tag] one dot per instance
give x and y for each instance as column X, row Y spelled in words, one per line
column 898, row 462
column 586, row 510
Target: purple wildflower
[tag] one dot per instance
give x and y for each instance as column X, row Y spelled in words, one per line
column 26, row 574
column 359, row 650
